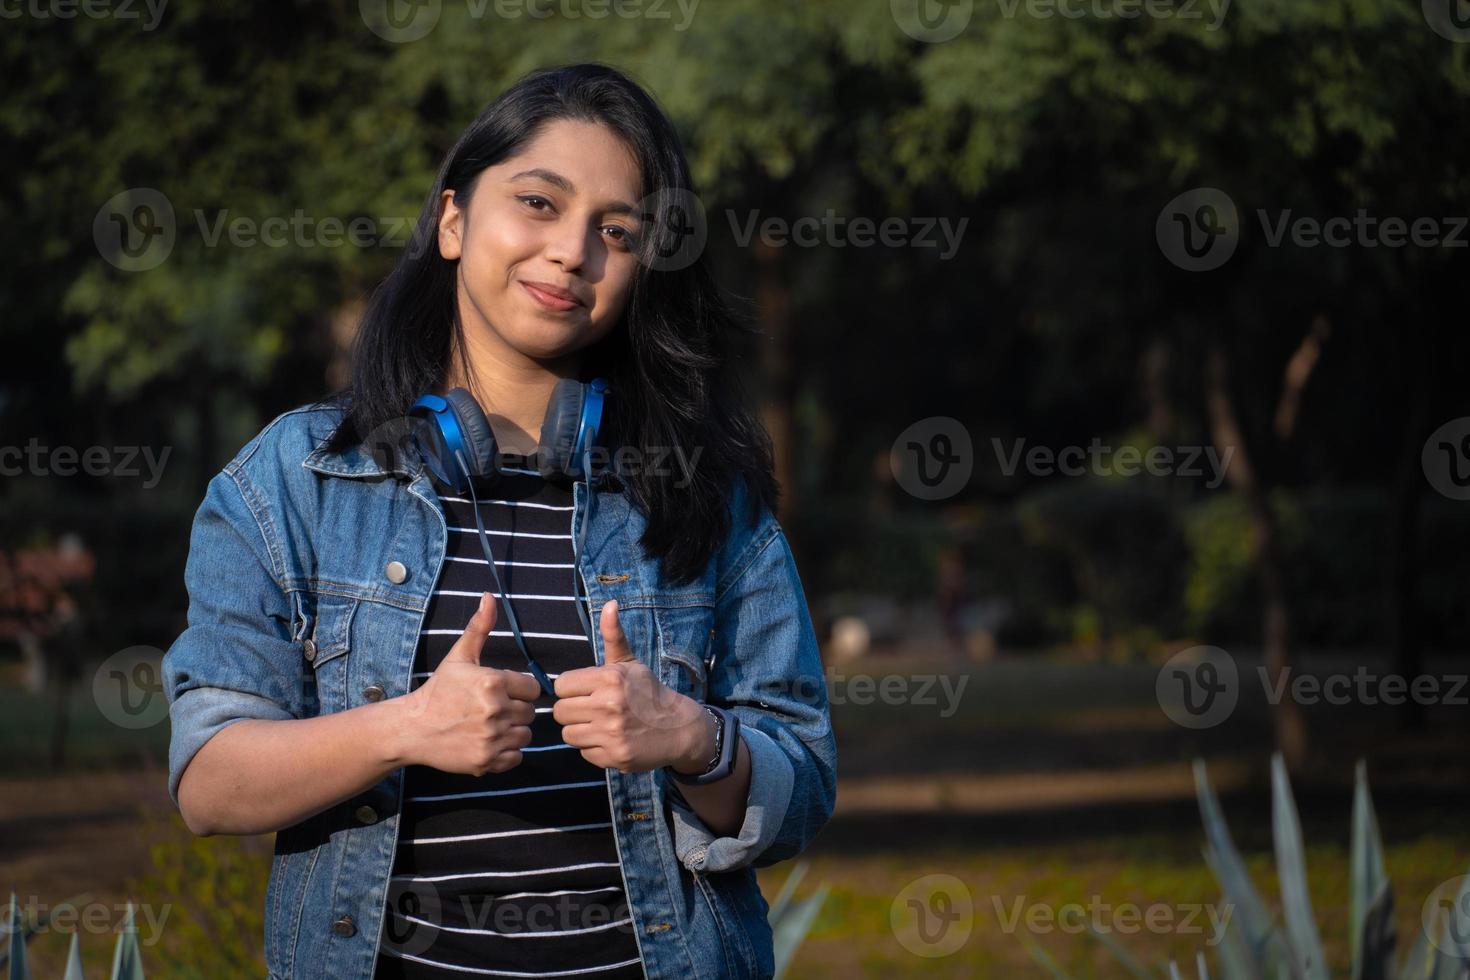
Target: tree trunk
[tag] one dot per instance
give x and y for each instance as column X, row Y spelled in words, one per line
column 1290, row 725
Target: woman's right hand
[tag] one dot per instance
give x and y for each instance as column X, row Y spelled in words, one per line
column 467, row 718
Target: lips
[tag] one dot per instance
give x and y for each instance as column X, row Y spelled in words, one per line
column 551, row 296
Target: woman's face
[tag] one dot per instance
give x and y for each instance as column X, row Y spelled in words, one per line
column 545, row 244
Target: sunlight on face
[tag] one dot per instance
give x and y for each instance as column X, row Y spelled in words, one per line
column 545, row 244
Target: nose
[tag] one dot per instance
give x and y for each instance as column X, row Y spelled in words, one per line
column 568, row 245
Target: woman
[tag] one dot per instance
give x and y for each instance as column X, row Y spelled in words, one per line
column 575, row 774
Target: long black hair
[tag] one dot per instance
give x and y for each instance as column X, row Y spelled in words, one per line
column 668, row 360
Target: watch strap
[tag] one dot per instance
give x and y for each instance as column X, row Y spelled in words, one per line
column 727, row 736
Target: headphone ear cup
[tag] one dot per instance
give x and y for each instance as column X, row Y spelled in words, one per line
column 478, row 436
column 559, row 430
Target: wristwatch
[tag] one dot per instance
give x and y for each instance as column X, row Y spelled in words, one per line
column 727, row 737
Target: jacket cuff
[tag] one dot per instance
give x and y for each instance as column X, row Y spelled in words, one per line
column 772, row 778
column 198, row 714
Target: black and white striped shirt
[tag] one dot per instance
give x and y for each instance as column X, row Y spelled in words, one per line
column 512, row 874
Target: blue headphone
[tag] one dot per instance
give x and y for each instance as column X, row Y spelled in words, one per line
column 457, row 444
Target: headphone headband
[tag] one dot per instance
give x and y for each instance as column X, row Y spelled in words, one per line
column 461, row 445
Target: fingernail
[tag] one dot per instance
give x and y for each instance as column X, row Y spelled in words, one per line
column 484, row 600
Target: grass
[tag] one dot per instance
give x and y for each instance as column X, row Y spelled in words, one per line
column 1051, row 784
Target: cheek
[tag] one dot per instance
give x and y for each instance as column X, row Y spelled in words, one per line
column 494, row 247
column 612, row 295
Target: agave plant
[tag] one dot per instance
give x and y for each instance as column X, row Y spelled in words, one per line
column 127, row 963
column 1254, row 947
column 791, row 918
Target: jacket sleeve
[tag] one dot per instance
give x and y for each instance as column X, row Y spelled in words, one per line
column 237, row 657
column 768, row 671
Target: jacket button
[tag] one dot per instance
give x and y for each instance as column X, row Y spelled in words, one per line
column 374, row 692
column 308, row 648
column 397, row 572
column 366, row 814
column 344, row 927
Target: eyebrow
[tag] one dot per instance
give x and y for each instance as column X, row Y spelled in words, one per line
column 557, row 180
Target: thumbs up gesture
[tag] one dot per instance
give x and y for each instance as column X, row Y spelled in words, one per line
column 622, row 717
column 467, row 718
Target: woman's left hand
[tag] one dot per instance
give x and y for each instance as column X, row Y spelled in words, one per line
column 622, row 717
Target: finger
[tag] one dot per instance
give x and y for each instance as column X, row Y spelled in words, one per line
column 521, row 686
column 574, row 711
column 614, row 641
column 505, row 760
column 520, row 712
column 581, row 736
column 576, row 683
column 467, row 648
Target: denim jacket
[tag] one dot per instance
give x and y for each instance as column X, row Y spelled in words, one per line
column 309, row 575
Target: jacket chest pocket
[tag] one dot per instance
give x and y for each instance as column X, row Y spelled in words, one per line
column 324, row 636
column 685, row 641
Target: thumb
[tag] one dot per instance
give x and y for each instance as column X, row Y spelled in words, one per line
column 614, row 641
column 467, row 648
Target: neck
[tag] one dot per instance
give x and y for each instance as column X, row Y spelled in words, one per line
column 512, row 389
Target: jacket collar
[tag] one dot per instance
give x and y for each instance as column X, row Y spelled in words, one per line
column 358, row 460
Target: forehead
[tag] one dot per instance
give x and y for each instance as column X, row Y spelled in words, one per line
column 590, row 157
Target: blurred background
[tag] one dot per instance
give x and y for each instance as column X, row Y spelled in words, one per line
column 1114, row 351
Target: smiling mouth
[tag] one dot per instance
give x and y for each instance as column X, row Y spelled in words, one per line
column 549, row 300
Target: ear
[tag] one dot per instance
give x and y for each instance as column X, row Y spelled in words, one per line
column 451, row 225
